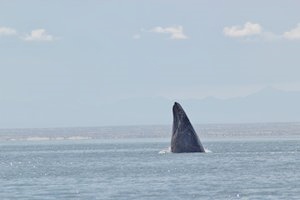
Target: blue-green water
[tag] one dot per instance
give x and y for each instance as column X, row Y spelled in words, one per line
column 134, row 169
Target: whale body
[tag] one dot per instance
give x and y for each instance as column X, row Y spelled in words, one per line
column 184, row 137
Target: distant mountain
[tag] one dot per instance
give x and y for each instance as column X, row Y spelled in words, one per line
column 267, row 105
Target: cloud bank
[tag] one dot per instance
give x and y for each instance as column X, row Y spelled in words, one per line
column 6, row 31
column 238, row 31
column 39, row 35
column 34, row 35
column 174, row 32
column 293, row 34
column 250, row 29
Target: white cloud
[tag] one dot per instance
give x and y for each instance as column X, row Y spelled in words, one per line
column 175, row 32
column 39, row 35
column 247, row 30
column 6, row 31
column 252, row 29
column 293, row 34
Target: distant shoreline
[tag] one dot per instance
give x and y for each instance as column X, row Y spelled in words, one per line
column 205, row 132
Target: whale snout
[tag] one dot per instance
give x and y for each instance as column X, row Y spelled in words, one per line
column 176, row 104
column 177, row 107
column 177, row 110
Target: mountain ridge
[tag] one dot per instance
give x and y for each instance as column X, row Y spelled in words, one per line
column 267, row 105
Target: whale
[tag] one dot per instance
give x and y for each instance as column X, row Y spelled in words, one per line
column 184, row 137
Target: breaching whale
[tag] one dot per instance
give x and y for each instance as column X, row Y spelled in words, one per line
column 184, row 138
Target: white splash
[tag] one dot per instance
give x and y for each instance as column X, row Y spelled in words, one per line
column 163, row 151
column 207, row 151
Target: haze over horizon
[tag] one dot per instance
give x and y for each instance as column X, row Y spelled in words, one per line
column 98, row 63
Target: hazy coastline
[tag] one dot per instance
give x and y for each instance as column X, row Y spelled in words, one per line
column 205, row 131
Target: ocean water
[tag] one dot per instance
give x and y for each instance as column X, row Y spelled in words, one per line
column 142, row 168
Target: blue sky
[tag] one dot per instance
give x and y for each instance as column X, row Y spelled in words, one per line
column 103, row 51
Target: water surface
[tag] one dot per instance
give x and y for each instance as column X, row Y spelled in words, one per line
column 134, row 169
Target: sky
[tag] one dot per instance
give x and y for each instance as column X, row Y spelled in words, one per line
column 94, row 52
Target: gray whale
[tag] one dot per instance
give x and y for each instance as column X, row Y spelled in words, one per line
column 184, row 137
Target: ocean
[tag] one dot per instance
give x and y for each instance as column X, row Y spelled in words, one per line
column 245, row 161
